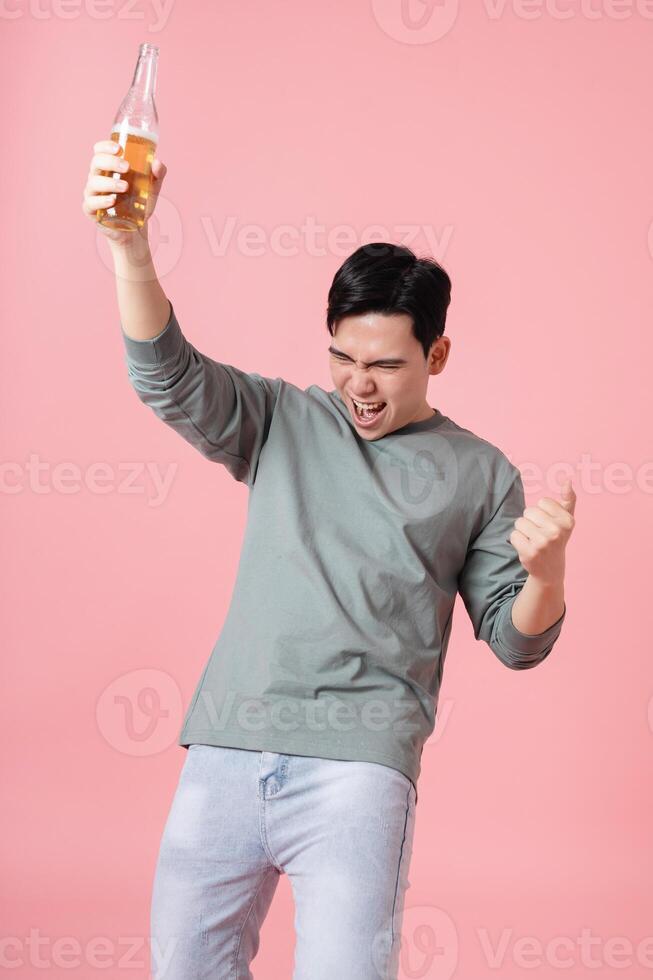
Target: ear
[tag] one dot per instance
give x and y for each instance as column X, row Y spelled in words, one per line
column 439, row 354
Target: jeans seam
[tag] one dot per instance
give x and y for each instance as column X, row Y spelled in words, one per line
column 401, row 855
column 234, row 964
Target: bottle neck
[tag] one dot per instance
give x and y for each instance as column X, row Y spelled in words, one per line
column 144, row 81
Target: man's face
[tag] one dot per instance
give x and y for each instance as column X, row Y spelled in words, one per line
column 375, row 358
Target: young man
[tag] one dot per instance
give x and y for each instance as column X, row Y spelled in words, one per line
column 369, row 510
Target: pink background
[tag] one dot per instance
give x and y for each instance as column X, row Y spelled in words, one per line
column 515, row 148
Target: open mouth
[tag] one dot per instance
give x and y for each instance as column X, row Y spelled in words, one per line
column 368, row 413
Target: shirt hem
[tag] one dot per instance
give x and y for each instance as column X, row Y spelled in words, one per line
column 264, row 741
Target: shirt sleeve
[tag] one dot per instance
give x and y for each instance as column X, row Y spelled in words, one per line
column 492, row 578
column 225, row 413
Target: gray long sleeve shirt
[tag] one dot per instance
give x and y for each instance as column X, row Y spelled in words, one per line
column 335, row 639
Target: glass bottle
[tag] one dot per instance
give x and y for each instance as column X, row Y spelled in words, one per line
column 136, row 130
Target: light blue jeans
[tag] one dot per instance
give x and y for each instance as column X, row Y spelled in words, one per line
column 341, row 831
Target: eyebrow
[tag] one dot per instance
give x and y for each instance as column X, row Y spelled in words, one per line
column 385, row 360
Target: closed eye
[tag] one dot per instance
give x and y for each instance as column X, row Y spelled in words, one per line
column 347, row 360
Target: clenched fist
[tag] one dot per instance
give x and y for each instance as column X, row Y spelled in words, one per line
column 541, row 535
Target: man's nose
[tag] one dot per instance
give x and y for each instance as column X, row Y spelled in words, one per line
column 361, row 380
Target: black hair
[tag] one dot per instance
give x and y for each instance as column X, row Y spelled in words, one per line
column 385, row 278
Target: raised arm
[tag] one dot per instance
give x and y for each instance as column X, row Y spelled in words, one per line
column 225, row 413
column 143, row 305
column 492, row 578
column 222, row 411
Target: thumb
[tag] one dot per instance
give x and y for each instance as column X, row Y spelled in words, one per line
column 568, row 500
